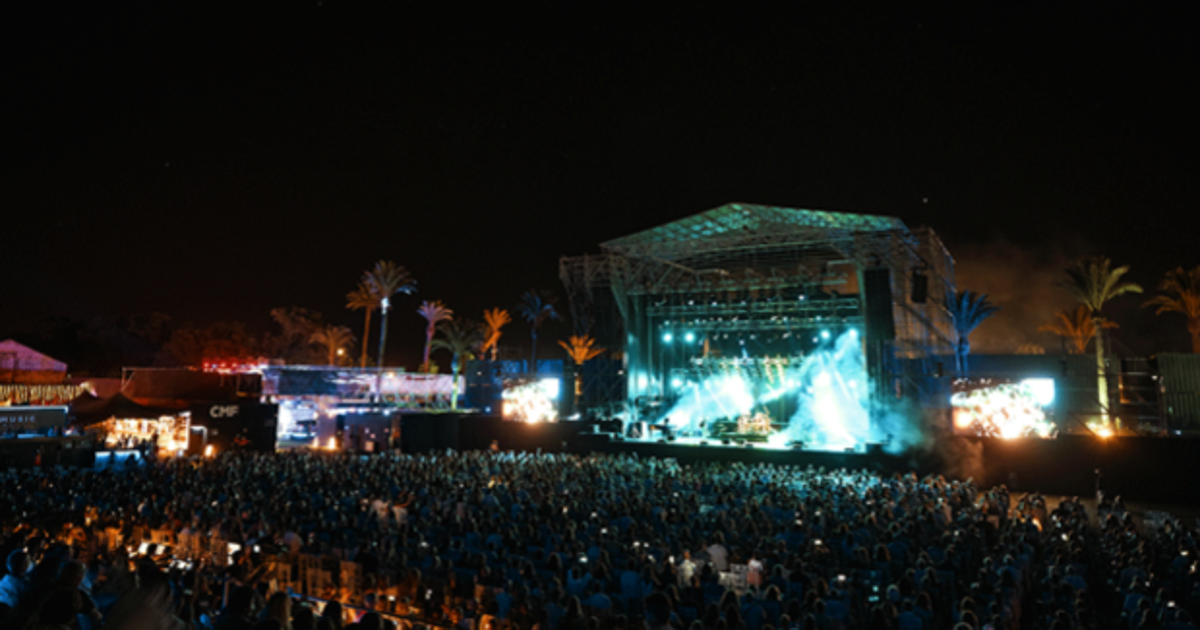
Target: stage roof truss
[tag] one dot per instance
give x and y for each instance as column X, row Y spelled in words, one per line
column 744, row 227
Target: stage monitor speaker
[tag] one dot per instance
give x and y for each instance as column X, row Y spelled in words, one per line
column 920, row 287
column 877, row 295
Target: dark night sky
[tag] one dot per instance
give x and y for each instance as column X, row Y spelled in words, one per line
column 211, row 163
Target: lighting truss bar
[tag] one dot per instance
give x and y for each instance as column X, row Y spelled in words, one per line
column 791, row 324
column 835, row 307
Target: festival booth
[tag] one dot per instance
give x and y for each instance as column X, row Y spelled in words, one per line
column 122, row 423
column 31, row 378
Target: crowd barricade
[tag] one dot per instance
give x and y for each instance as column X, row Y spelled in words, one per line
column 1154, row 520
column 284, row 577
column 319, row 578
column 112, row 538
column 350, row 582
column 163, row 537
column 218, row 552
column 735, row 577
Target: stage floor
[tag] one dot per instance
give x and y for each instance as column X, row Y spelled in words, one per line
column 776, row 444
column 701, row 449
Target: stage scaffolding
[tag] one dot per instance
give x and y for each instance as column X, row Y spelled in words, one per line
column 745, row 269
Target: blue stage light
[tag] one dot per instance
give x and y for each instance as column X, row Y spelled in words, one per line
column 667, row 337
column 825, row 334
column 689, row 337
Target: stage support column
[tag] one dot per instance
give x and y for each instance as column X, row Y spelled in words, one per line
column 880, row 325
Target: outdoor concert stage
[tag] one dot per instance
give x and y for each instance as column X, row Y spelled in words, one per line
column 812, row 325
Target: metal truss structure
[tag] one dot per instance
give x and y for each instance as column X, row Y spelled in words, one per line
column 762, row 269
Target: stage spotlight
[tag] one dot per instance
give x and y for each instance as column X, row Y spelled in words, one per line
column 667, row 337
column 825, row 335
column 690, row 337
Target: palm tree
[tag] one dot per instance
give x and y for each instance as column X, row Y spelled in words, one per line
column 495, row 320
column 461, row 340
column 1094, row 282
column 433, row 312
column 1078, row 327
column 364, row 297
column 968, row 310
column 386, row 280
column 581, row 350
column 536, row 307
column 1179, row 292
column 334, row 340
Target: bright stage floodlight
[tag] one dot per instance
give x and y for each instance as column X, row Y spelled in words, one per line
column 667, row 337
column 825, row 335
column 689, row 337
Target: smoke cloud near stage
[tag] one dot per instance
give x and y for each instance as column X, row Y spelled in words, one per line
column 820, row 401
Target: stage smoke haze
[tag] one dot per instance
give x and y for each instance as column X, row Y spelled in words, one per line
column 1023, row 282
column 831, row 413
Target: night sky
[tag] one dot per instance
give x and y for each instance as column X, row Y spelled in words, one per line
column 212, row 163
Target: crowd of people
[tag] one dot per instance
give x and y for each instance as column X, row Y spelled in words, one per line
column 555, row 541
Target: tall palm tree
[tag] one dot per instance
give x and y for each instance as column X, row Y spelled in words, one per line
column 581, row 350
column 494, row 320
column 386, row 280
column 1077, row 326
column 461, row 340
column 968, row 310
column 433, row 312
column 536, row 307
column 1179, row 292
column 364, row 297
column 334, row 339
column 1094, row 282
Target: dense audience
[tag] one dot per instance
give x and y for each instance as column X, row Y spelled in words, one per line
column 547, row 541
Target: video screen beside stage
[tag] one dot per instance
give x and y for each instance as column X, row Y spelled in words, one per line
column 531, row 400
column 1004, row 408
